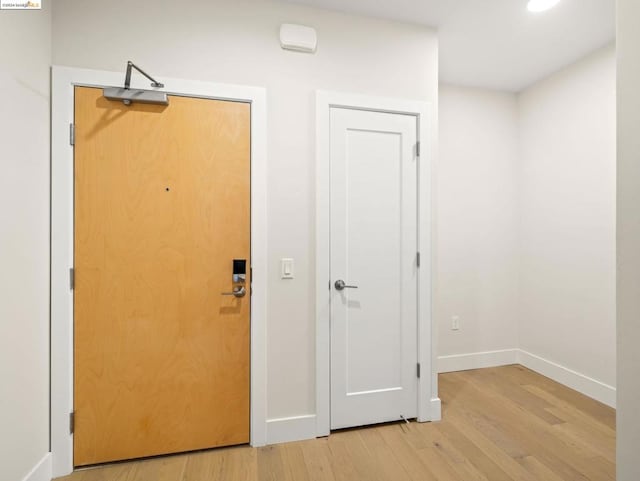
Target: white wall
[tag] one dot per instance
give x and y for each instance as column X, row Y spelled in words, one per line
column 237, row 42
column 628, row 415
column 477, row 218
column 526, row 227
column 24, row 240
column 567, row 217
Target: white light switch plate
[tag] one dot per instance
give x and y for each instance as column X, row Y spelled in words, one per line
column 286, row 268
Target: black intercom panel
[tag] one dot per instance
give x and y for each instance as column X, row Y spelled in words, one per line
column 239, row 270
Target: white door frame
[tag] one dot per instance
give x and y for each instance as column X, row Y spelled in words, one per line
column 64, row 79
column 428, row 402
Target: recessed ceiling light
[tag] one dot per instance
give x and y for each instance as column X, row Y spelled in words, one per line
column 541, row 5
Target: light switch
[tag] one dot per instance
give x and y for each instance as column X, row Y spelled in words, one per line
column 286, row 266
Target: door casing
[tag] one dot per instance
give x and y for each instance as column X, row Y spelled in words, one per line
column 429, row 406
column 64, row 79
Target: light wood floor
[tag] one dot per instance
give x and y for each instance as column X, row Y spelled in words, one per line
column 499, row 424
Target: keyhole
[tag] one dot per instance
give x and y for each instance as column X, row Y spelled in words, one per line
column 167, row 189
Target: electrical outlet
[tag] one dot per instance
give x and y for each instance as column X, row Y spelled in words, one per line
column 455, row 323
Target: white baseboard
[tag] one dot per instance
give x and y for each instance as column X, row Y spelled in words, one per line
column 43, row 471
column 584, row 384
column 477, row 360
column 436, row 409
column 295, row 428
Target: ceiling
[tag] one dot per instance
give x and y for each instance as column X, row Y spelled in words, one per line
column 498, row 44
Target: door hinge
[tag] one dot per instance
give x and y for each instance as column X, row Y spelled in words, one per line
column 418, row 259
column 72, row 422
column 72, row 134
column 418, row 370
column 72, row 278
column 418, row 148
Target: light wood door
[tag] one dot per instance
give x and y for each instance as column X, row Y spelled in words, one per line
column 162, row 207
column 374, row 240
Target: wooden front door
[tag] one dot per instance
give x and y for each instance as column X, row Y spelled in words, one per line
column 162, row 208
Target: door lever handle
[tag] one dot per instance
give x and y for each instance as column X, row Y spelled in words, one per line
column 340, row 285
column 238, row 291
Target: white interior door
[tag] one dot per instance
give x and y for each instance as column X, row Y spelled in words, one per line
column 374, row 241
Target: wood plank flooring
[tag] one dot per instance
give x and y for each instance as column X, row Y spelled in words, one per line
column 499, row 424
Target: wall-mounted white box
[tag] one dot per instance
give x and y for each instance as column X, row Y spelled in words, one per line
column 298, row 38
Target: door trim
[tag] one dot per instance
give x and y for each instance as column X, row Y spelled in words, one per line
column 428, row 402
column 64, row 79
